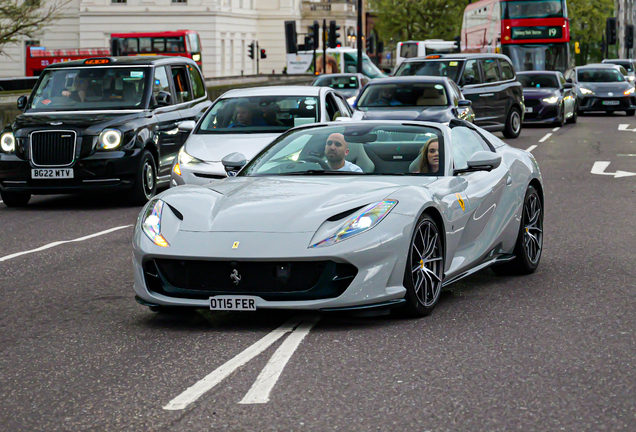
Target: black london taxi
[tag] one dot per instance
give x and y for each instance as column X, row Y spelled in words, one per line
column 489, row 81
column 101, row 124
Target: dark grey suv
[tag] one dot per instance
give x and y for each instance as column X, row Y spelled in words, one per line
column 489, row 81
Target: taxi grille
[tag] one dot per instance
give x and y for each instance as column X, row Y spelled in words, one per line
column 53, row 148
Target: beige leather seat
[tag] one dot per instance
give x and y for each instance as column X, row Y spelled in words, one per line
column 358, row 156
column 431, row 97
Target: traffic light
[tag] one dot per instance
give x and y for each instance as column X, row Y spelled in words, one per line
column 369, row 44
column 629, row 36
column 334, row 35
column 291, row 37
column 611, row 31
column 577, row 48
column 263, row 53
column 311, row 41
column 250, row 50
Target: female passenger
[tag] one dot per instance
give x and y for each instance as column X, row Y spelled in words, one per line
column 429, row 164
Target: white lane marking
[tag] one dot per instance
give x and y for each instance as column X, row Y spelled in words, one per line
column 223, row 371
column 624, row 127
column 628, row 154
column 556, row 128
column 57, row 243
column 259, row 393
column 600, row 167
column 545, row 137
column 532, row 147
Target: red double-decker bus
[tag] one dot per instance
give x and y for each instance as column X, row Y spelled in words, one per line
column 183, row 43
column 535, row 34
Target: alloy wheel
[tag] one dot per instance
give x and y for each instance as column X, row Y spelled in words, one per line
column 426, row 263
column 515, row 121
column 533, row 228
column 148, row 178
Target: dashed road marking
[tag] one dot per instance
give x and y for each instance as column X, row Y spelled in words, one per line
column 259, row 393
column 623, row 127
column 556, row 128
column 532, row 147
column 57, row 243
column 545, row 137
column 225, row 370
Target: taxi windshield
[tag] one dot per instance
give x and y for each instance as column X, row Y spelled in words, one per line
column 444, row 68
column 259, row 114
column 403, row 95
column 357, row 149
column 91, row 88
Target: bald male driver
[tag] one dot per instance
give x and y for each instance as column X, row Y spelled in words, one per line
column 336, row 148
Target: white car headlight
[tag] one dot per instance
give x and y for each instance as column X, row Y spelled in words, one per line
column 151, row 223
column 586, row 91
column 628, row 92
column 363, row 221
column 109, row 139
column 631, row 78
column 185, row 158
column 7, row 142
column 551, row 100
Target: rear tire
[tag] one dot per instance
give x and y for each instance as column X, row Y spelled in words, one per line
column 15, row 199
column 145, row 185
column 424, row 268
column 513, row 123
column 529, row 243
column 630, row 113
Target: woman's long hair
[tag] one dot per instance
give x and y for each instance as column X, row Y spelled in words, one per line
column 424, row 165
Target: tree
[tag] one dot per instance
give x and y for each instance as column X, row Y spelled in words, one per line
column 26, row 18
column 418, row 19
column 587, row 25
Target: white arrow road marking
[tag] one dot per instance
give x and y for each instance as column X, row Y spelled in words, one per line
column 623, row 127
column 225, row 370
column 259, row 393
column 545, row 137
column 532, row 147
column 600, row 167
column 57, row 243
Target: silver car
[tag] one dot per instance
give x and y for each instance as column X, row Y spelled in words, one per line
column 246, row 121
column 342, row 216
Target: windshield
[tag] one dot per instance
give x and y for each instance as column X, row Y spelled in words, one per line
column 532, row 9
column 387, row 149
column 626, row 64
column 445, row 68
column 259, row 114
column 93, row 88
column 538, row 80
column 402, row 95
column 600, row 75
column 345, row 85
column 552, row 57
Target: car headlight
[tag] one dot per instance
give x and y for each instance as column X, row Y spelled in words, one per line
column 363, row 221
column 109, row 139
column 628, row 92
column 151, row 223
column 586, row 91
column 7, row 142
column 551, row 100
column 185, row 158
column 631, row 78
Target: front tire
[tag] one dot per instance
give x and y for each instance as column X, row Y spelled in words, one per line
column 529, row 243
column 15, row 199
column 561, row 120
column 513, row 123
column 145, row 186
column 424, row 268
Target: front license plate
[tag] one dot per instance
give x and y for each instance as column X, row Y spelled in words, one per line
column 528, row 110
column 233, row 303
column 56, row 173
column 611, row 102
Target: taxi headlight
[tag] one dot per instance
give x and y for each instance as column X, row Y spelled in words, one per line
column 7, row 142
column 363, row 221
column 109, row 139
column 151, row 222
column 551, row 100
column 185, row 158
column 628, row 92
column 586, row 91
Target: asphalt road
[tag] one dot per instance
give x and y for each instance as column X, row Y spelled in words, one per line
column 546, row 352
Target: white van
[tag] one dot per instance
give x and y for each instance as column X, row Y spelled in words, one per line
column 410, row 49
column 339, row 60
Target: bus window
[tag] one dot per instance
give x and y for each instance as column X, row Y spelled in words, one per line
column 532, row 9
column 145, row 45
column 130, row 45
column 175, row 44
column 158, row 44
column 195, row 44
column 408, row 50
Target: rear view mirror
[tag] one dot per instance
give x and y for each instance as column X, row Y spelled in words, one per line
column 164, row 98
column 464, row 103
column 22, row 102
column 233, row 163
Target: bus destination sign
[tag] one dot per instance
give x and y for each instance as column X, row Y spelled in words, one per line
column 555, row 32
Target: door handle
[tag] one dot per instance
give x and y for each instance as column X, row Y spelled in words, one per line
column 486, row 94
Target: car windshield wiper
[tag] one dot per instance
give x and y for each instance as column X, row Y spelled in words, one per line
column 321, row 172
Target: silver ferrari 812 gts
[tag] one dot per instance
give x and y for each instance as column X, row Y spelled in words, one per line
column 344, row 216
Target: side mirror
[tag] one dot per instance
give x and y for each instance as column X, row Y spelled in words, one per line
column 569, row 80
column 187, row 126
column 484, row 161
column 22, row 102
column 464, row 103
column 233, row 163
column 164, row 98
column 568, row 85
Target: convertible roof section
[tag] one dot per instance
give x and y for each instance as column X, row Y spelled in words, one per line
column 275, row 91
